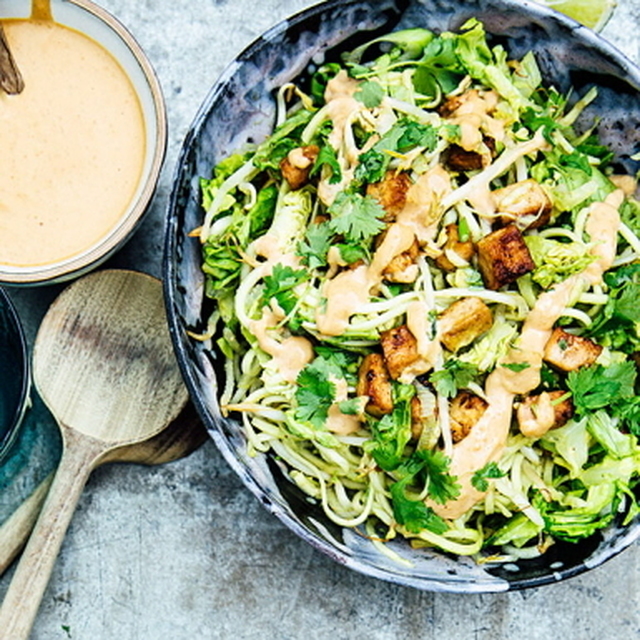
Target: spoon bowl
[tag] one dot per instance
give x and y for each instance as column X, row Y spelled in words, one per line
column 104, row 365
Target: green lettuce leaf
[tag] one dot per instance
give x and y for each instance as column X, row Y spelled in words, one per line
column 556, row 261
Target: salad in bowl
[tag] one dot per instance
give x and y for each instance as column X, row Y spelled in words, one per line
column 423, row 287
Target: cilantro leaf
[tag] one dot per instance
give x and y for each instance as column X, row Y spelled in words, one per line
column 401, row 137
column 616, row 324
column 315, row 246
column 629, row 413
column 423, row 467
column 316, row 391
column 442, row 485
column 351, row 253
column 327, row 156
column 480, row 478
column 370, row 93
column 392, row 432
column 455, row 374
column 414, row 515
column 597, row 387
column 351, row 407
column 280, row 285
column 371, row 167
column 356, row 217
column 416, row 134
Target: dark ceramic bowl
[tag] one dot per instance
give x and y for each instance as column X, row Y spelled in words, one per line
column 14, row 373
column 240, row 108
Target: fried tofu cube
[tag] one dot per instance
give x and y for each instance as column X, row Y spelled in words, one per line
column 569, row 352
column 374, row 382
column 524, row 203
column 532, row 409
column 297, row 166
column 464, row 411
column 403, row 267
column 391, row 193
column 503, row 257
column 459, row 159
column 453, row 244
column 400, row 349
column 462, row 322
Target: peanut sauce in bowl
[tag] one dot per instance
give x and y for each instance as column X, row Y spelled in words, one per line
column 82, row 144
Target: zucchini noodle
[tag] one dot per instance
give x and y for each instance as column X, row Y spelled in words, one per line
column 427, row 312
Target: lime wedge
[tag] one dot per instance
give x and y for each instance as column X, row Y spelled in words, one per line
column 591, row 13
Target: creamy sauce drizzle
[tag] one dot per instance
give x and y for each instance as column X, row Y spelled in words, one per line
column 487, row 439
column 349, row 290
column 429, row 350
column 290, row 354
column 72, row 144
column 338, row 422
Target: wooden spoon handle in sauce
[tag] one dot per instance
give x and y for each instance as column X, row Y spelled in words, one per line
column 11, row 81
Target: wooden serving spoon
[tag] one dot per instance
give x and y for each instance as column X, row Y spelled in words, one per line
column 11, row 81
column 182, row 437
column 104, row 365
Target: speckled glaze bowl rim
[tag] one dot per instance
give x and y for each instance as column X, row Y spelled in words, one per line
column 212, row 422
column 155, row 119
column 16, row 333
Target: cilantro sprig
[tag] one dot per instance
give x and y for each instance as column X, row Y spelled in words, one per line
column 490, row 471
column 598, row 387
column 453, row 376
column 356, row 217
column 280, row 285
column 316, row 391
column 430, row 468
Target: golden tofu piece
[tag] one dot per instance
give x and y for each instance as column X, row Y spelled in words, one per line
column 297, row 166
column 569, row 352
column 374, row 382
column 464, row 249
column 525, row 203
column 462, row 322
column 403, row 267
column 400, row 349
column 503, row 257
column 391, row 193
column 464, row 411
column 562, row 411
column 459, row 159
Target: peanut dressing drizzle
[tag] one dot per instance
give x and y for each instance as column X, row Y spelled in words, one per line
column 348, row 291
column 486, row 441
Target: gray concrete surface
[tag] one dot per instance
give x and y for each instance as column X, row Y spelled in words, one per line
column 184, row 552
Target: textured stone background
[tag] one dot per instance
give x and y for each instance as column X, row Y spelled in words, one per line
column 184, row 552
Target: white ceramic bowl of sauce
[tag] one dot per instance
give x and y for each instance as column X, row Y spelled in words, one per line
column 83, row 144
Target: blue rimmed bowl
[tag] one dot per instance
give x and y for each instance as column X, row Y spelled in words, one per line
column 14, row 374
column 240, row 108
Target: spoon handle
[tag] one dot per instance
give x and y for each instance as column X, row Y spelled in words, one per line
column 22, row 600
column 10, row 77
